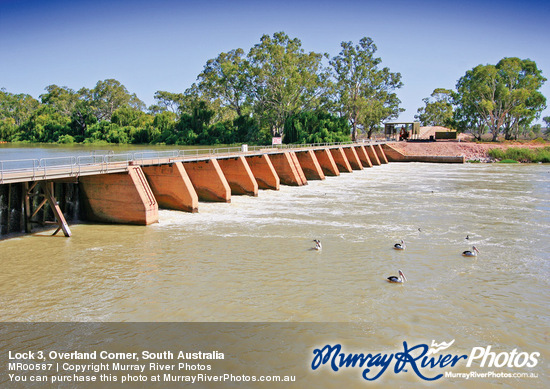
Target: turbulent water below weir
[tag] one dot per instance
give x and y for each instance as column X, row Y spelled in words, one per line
column 250, row 260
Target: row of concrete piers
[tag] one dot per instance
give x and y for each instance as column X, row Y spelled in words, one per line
column 134, row 196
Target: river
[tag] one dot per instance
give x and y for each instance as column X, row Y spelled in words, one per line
column 250, row 261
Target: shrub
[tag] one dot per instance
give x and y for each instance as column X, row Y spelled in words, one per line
column 539, row 140
column 65, row 139
column 521, row 154
column 543, row 155
column 316, row 127
column 496, row 153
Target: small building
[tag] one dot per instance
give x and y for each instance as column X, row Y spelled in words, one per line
column 445, row 133
column 402, row 130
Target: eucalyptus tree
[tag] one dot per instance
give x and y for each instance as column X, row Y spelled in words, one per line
column 82, row 115
column 61, row 98
column 172, row 102
column 365, row 93
column 226, row 78
column 108, row 96
column 438, row 108
column 466, row 116
column 129, row 117
column 17, row 107
column 284, row 79
column 506, row 94
column 79, row 106
column 522, row 81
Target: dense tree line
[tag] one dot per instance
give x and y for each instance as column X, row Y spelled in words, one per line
column 502, row 99
column 276, row 89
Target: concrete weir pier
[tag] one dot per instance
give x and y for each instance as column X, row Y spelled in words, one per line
column 209, row 181
column 341, row 160
column 239, row 176
column 310, row 166
column 130, row 188
column 263, row 171
column 120, row 198
column 172, row 187
column 288, row 168
column 324, row 157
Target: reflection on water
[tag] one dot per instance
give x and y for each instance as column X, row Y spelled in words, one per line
column 250, row 260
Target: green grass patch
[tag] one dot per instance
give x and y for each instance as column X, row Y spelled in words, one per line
column 508, row 161
column 521, row 154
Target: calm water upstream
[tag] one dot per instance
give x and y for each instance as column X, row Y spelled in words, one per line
column 250, row 261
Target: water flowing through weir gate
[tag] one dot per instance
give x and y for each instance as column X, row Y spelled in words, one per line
column 130, row 188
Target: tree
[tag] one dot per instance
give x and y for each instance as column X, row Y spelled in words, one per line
column 523, row 79
column 18, row 107
column 62, row 99
column 546, row 120
column 478, row 91
column 438, row 110
column 226, row 78
column 108, row 96
column 162, row 123
column 172, row 102
column 365, row 93
column 466, row 117
column 82, row 117
column 44, row 125
column 503, row 95
column 536, row 129
column 284, row 79
column 127, row 116
column 316, row 127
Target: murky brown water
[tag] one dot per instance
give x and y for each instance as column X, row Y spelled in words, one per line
column 250, row 261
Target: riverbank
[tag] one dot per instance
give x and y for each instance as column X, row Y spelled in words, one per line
column 469, row 150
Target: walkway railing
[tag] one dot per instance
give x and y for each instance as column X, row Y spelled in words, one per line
column 72, row 166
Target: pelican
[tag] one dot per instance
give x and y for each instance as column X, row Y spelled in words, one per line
column 400, row 246
column 318, row 246
column 401, row 277
column 472, row 253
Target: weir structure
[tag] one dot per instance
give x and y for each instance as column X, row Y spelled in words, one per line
column 130, row 188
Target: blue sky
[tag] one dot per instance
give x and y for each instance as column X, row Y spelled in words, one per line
column 164, row 44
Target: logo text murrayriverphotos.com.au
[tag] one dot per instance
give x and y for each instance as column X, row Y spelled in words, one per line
column 421, row 357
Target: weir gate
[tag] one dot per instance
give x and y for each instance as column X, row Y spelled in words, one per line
column 130, row 188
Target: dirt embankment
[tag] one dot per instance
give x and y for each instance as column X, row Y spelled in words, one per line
column 470, row 150
column 464, row 146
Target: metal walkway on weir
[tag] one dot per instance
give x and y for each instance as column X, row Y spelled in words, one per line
column 24, row 170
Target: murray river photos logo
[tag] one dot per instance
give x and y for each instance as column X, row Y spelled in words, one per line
column 417, row 358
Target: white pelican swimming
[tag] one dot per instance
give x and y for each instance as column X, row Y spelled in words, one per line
column 400, row 246
column 401, row 277
column 317, row 245
column 472, row 253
